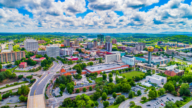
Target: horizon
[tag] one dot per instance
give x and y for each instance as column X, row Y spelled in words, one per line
column 96, row 16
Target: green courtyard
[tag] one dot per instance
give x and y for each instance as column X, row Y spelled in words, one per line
column 131, row 74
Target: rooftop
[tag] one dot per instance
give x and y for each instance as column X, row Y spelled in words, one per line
column 30, row 40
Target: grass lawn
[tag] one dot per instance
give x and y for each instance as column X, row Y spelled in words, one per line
column 144, row 101
column 131, row 74
column 113, row 106
column 99, row 79
column 20, row 71
column 187, row 100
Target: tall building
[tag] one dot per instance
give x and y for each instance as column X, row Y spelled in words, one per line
column 150, row 50
column 95, row 43
column 89, row 45
column 10, row 47
column 31, row 45
column 76, row 42
column 11, row 56
column 108, row 39
column 67, row 42
column 114, row 41
column 129, row 60
column 53, row 51
column 112, row 57
column 66, row 51
column 108, row 46
column 100, row 38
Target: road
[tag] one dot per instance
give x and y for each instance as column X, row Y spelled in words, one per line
column 36, row 96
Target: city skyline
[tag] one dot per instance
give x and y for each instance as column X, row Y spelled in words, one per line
column 96, row 16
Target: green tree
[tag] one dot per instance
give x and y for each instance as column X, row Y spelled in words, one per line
column 104, row 96
column 96, row 103
column 170, row 104
column 67, row 102
column 132, row 104
column 104, row 76
column 105, row 104
column 144, row 99
column 62, row 87
column 110, row 74
column 169, row 87
column 96, row 95
column 184, row 90
column 77, row 90
column 1, row 66
column 114, row 95
column 23, row 98
column 161, row 91
column 119, row 99
column 152, row 94
column 0, row 97
column 110, row 79
column 139, row 92
column 131, row 94
column 90, row 88
column 84, row 89
column 190, row 106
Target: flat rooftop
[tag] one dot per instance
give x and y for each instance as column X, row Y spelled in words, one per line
column 30, row 40
column 105, row 67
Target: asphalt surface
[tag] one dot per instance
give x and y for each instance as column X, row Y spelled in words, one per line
column 38, row 87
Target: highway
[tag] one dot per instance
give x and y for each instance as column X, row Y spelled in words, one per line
column 36, row 96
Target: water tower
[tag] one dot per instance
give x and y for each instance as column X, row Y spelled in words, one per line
column 150, row 50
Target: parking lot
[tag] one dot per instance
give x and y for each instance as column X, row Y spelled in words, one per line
column 160, row 101
column 136, row 88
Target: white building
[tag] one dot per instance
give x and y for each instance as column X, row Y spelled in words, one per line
column 31, row 45
column 159, row 80
column 10, row 47
column 112, row 57
column 66, row 51
column 53, row 51
column 130, row 60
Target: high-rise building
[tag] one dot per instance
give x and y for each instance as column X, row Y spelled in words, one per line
column 76, row 42
column 71, row 44
column 95, row 43
column 66, row 51
column 108, row 46
column 67, row 42
column 10, row 47
column 114, row 41
column 89, row 45
column 53, row 51
column 150, row 50
column 31, row 45
column 11, row 56
column 108, row 39
column 100, row 38
column 112, row 57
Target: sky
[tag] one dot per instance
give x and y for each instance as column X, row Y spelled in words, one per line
column 96, row 16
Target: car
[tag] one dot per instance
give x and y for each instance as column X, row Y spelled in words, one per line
column 148, row 105
column 162, row 104
column 181, row 99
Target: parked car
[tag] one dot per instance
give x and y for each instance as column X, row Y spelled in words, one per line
column 162, row 104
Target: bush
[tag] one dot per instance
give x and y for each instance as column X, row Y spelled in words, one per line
column 32, row 80
column 29, row 77
column 84, row 89
column 6, row 95
column 77, row 90
column 23, row 98
column 105, row 104
column 78, row 76
column 20, row 76
column 119, row 99
column 174, row 93
column 90, row 88
column 114, row 95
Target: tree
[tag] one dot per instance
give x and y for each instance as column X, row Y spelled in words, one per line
column 61, row 93
column 110, row 79
column 132, row 104
column 91, row 63
column 96, row 95
column 77, row 90
column 169, row 87
column 105, row 104
column 152, row 94
column 190, row 106
column 104, row 96
column 144, row 99
column 100, row 60
column 179, row 103
column 23, row 98
column 84, row 89
column 67, row 102
column 1, row 66
column 104, row 76
column 62, row 87
column 114, row 95
column 90, row 88
column 139, row 92
column 23, row 90
column 170, row 104
column 20, row 76
column 184, row 90
column 153, row 71
column 125, row 87
column 96, row 103
column 161, row 91
column 119, row 99
column 0, row 97
column 110, row 74
column 131, row 94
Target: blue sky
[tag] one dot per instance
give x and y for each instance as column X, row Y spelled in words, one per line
column 96, row 16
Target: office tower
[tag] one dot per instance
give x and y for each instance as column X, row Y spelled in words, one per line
column 108, row 46
column 89, row 45
column 108, row 39
column 67, row 42
column 95, row 43
column 31, row 45
column 76, row 42
column 150, row 50
column 53, row 51
column 100, row 38
column 114, row 41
